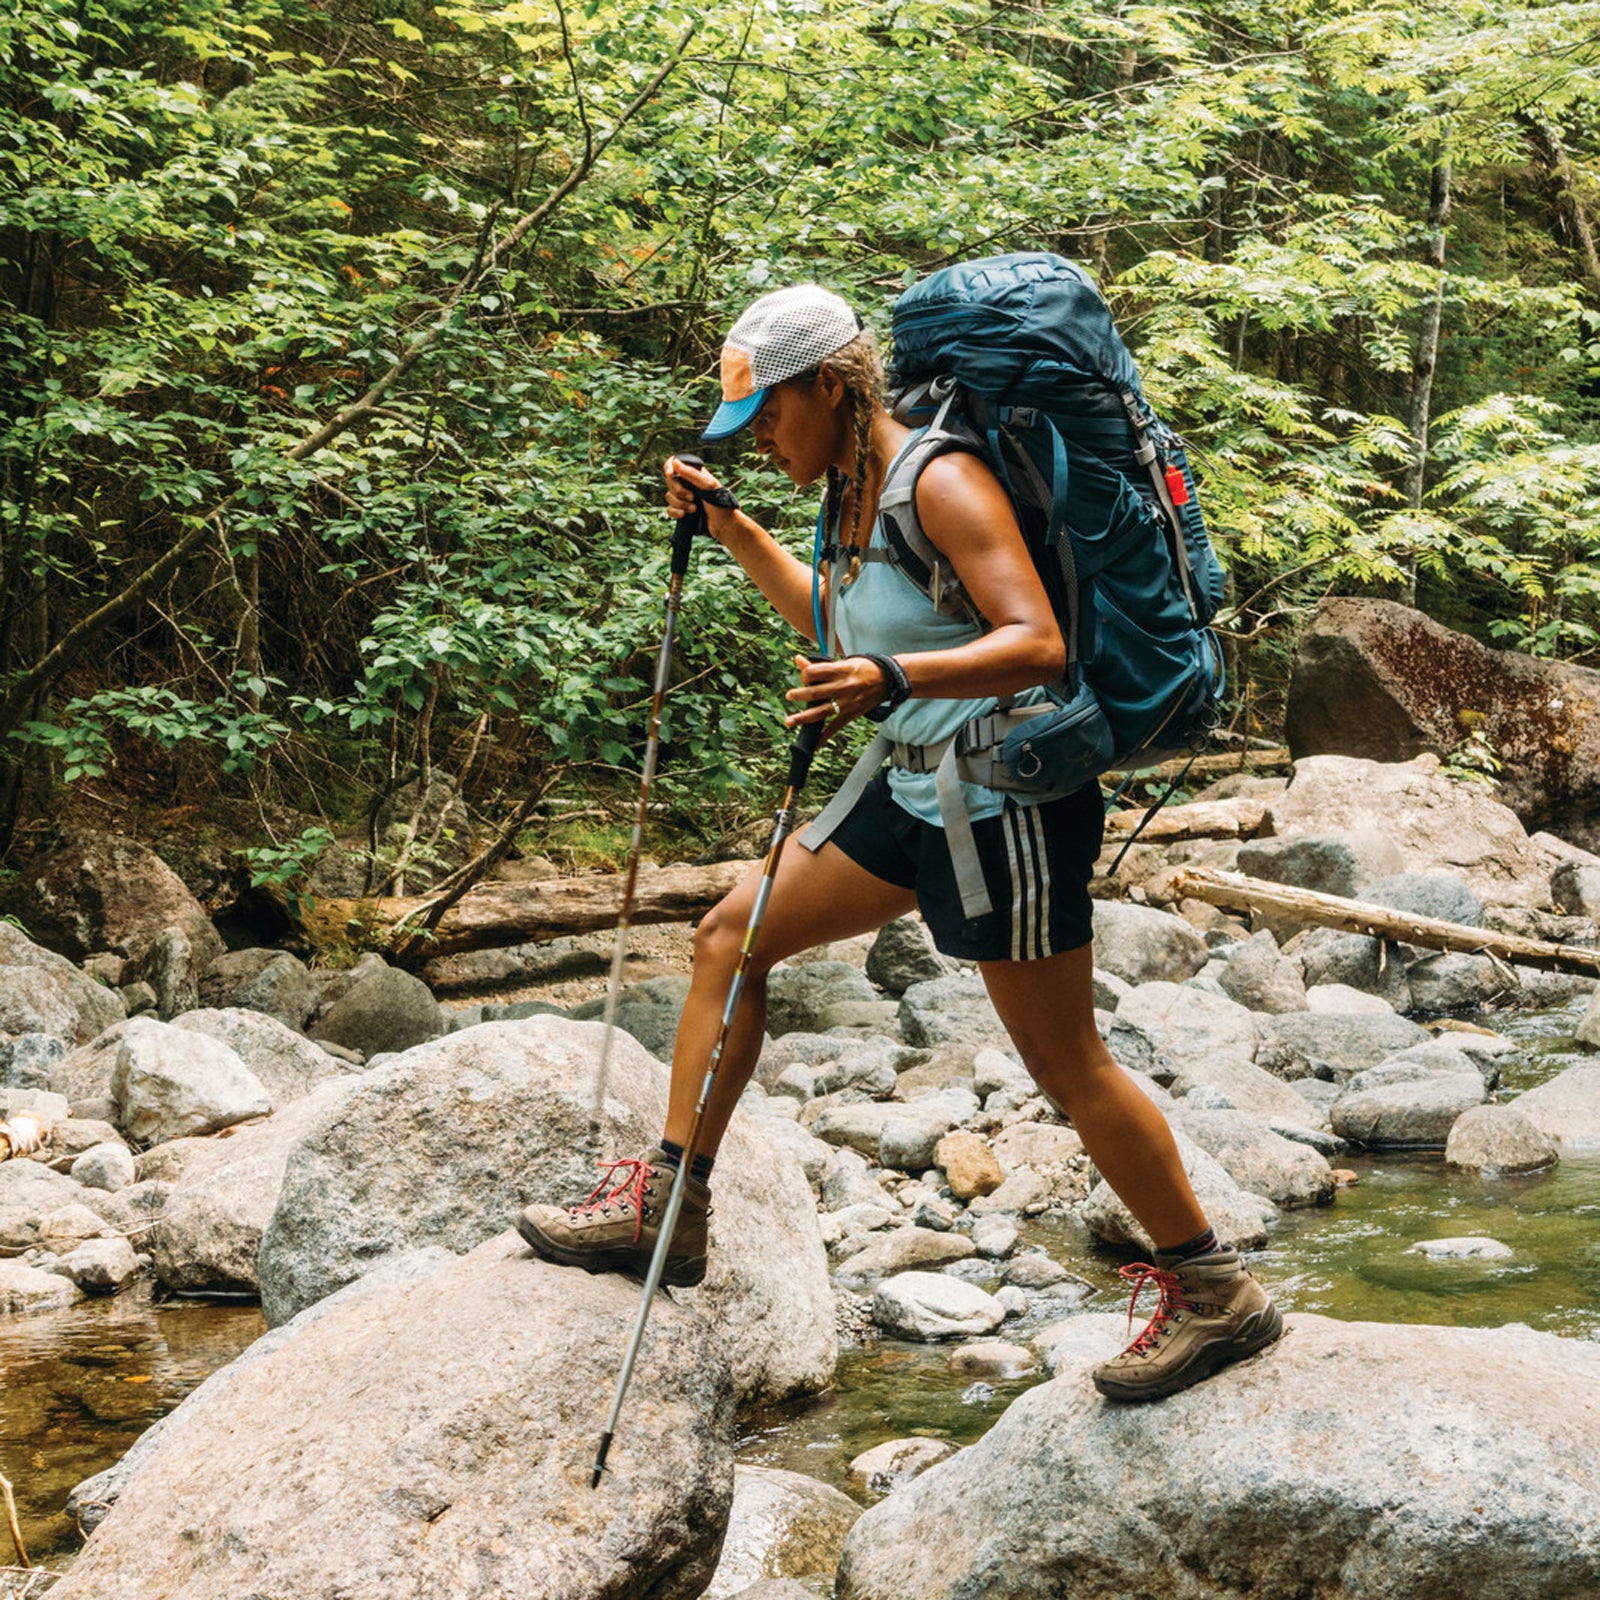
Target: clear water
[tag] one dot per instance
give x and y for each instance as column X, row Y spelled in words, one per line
column 77, row 1387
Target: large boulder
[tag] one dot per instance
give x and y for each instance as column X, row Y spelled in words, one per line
column 433, row 1436
column 287, row 1063
column 649, row 1011
column 1470, row 1469
column 1437, row 824
column 209, row 1236
column 1383, row 682
column 101, row 891
column 1171, row 1029
column 273, row 981
column 43, row 993
column 1286, row 1172
column 1404, row 1116
column 1566, row 1108
column 952, row 1010
column 30, row 1192
column 1141, row 945
column 444, row 1144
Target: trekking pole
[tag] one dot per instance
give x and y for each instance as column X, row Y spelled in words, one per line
column 683, row 537
column 800, row 753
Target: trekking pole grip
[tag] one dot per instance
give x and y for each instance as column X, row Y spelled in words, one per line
column 683, row 536
column 806, row 739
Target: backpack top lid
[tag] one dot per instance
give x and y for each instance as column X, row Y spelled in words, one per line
column 1006, row 322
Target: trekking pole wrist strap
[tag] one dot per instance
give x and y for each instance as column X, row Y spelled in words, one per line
column 896, row 685
column 722, row 497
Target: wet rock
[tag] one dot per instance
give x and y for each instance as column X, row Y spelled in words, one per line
column 927, row 1306
column 894, row 1463
column 782, row 1525
column 994, row 1359
column 1396, row 1509
column 1407, row 1115
column 1465, row 1249
column 25, row 1289
column 100, row 1266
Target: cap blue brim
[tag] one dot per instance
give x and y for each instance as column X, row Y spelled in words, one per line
column 732, row 415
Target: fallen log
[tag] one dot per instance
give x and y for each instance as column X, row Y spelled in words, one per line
column 1232, row 891
column 1217, row 764
column 494, row 915
column 1239, row 818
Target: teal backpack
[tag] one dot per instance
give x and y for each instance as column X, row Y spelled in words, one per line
column 1016, row 359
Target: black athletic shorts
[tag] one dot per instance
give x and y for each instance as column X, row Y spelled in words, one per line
column 1037, row 861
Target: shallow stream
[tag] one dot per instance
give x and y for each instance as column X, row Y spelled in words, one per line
column 79, row 1386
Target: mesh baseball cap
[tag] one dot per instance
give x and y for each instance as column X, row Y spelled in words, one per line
column 778, row 338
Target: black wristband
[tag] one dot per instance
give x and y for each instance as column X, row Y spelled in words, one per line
column 897, row 685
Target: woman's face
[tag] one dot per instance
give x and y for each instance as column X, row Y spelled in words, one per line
column 802, row 429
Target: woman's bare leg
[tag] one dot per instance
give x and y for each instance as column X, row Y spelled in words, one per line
column 815, row 898
column 1048, row 1009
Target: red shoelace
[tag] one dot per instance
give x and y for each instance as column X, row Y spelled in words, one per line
column 628, row 1193
column 1171, row 1302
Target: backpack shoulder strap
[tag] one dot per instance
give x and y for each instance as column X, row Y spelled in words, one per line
column 909, row 548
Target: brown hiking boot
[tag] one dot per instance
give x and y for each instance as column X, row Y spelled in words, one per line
column 615, row 1229
column 1211, row 1312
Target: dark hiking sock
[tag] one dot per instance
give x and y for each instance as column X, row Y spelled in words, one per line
column 699, row 1168
column 1203, row 1244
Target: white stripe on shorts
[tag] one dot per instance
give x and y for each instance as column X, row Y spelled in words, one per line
column 1030, row 885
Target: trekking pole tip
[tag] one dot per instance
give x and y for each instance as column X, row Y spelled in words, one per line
column 600, row 1459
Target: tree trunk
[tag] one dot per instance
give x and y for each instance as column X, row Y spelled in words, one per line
column 1233, row 891
column 495, row 915
column 1547, row 141
column 1427, row 352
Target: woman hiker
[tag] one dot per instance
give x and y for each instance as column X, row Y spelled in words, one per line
column 800, row 372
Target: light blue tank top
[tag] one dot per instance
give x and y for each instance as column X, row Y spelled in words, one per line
column 882, row 612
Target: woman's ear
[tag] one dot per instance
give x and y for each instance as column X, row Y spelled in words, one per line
column 829, row 385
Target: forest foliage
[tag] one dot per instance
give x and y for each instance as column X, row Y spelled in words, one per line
column 343, row 340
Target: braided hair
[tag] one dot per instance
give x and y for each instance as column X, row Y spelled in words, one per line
column 860, row 367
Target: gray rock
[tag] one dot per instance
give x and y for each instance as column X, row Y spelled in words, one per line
column 870, row 1065
column 1447, row 981
column 1407, row 1115
column 132, row 1211
column 168, row 966
column 864, row 1018
column 214, row 1216
column 1463, row 1249
column 105, row 1166
column 1036, row 1144
column 1588, row 1030
column 1441, row 895
column 894, row 1463
column 994, row 1070
column 1025, row 1191
column 1258, row 975
column 1139, row 944
column 848, row 1182
column 903, row 1250
column 1381, row 1518
column 104, row 891
column 903, row 954
column 287, row 1063
column 384, row 1009
column 857, row 1126
column 42, row 992
column 1566, row 1108
column 1171, row 1029
column 649, row 1011
column 29, row 1192
column 927, row 1306
column 325, row 1463
column 1344, row 1044
column 1287, row 1173
column 1341, row 861
column 782, row 1525
column 100, row 1266
column 908, row 1139
column 796, row 996
column 270, row 981
column 1329, row 957
column 171, row 1082
column 1498, row 1139
column 994, row 1359
column 1575, row 888
column 27, row 1061
column 448, row 1141
column 995, row 1237
column 1245, row 1086
column 25, row 1290
column 952, row 1010
column 139, row 999
column 1240, row 1217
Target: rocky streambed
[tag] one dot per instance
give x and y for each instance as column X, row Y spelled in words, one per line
column 419, row 1414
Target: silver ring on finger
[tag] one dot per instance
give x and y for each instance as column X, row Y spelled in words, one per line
column 833, row 706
